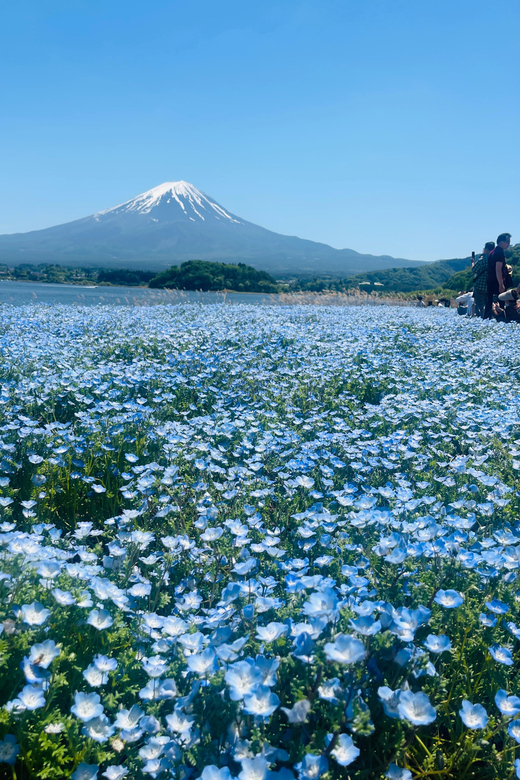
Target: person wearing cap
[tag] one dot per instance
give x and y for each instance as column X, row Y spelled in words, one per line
column 496, row 271
column 480, row 272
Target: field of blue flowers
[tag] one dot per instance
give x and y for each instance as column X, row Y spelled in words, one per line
column 261, row 543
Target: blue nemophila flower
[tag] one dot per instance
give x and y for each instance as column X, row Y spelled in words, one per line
column 30, row 698
column 298, row 713
column 366, row 625
column 140, row 590
column 324, row 603
column 487, row 620
column 271, row 632
column 474, row 716
column 501, row 654
column 390, row 701
column 253, row 768
column 99, row 729
column 514, row 730
column 9, row 749
column 437, row 644
column 344, row 751
column 449, row 598
column 94, row 676
column 179, row 722
column 34, row 614
column 345, row 649
column 105, row 664
column 154, row 747
column 212, row 772
column 86, row 772
column 205, row 663
column 517, row 767
column 155, row 666
column 311, row 767
column 242, row 677
column 100, row 619
column 128, row 719
column 330, row 690
column 44, row 653
column 86, row 706
column 508, row 705
column 114, row 772
column 498, row 607
column 262, row 702
column 416, row 708
column 514, row 629
column 63, row 597
column 398, row 773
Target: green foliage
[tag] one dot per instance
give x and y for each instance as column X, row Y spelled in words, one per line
column 203, row 275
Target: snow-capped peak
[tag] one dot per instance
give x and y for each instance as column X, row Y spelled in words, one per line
column 192, row 201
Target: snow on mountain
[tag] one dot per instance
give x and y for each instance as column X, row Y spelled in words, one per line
column 175, row 222
column 194, row 203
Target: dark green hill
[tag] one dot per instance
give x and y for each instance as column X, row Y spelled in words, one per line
column 204, row 275
column 426, row 277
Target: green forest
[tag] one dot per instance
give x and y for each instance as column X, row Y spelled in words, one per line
column 203, row 275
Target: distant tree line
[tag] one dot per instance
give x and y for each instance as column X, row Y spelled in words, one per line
column 435, row 278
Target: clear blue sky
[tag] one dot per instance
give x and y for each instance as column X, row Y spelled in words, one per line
column 386, row 126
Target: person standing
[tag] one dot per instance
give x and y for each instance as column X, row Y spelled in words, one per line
column 496, row 271
column 480, row 273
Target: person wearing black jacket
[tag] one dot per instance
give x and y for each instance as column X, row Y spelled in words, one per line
column 496, row 271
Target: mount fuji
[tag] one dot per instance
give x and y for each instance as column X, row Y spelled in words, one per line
column 175, row 222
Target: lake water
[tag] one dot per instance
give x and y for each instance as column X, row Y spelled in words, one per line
column 22, row 293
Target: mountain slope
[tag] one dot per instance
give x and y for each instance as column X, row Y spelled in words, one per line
column 175, row 222
column 426, row 277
